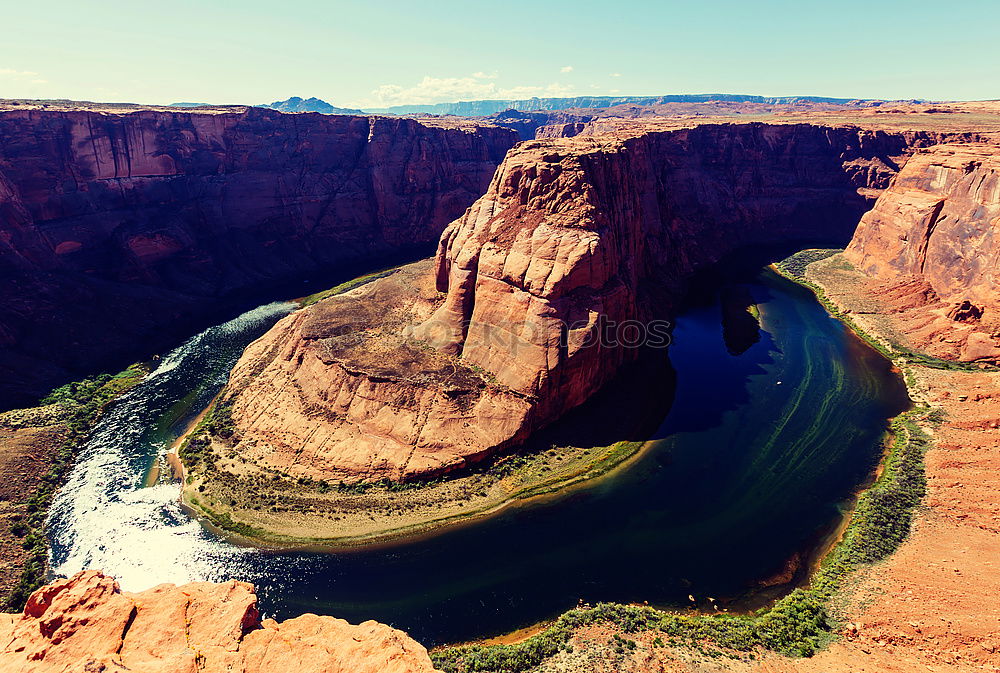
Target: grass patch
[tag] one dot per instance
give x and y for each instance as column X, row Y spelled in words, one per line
column 83, row 402
column 794, row 267
column 346, row 286
column 196, row 450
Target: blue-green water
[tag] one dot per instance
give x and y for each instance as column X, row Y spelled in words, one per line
column 754, row 456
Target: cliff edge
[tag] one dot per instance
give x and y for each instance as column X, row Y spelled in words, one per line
column 121, row 234
column 931, row 245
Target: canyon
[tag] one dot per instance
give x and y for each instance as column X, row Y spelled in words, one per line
column 148, row 219
column 123, row 232
column 574, row 237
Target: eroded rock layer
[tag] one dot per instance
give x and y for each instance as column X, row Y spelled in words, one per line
column 86, row 623
column 932, row 242
column 539, row 280
column 117, row 232
column 341, row 391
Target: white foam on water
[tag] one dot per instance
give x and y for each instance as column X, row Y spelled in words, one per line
column 103, row 518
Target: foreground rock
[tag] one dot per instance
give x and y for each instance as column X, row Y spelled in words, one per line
column 932, row 243
column 539, row 281
column 120, row 233
column 87, row 624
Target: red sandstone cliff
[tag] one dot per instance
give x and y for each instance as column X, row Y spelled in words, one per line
column 87, row 624
column 933, row 242
column 574, row 236
column 119, row 232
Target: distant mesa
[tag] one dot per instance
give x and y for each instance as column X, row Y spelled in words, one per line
column 297, row 104
column 190, row 105
column 482, row 108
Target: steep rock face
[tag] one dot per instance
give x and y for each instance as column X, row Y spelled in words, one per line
column 573, row 234
column 87, row 624
column 340, row 391
column 933, row 239
column 121, row 228
column 540, row 278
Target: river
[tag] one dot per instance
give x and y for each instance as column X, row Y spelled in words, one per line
column 760, row 446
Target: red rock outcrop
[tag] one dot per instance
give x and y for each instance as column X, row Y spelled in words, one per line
column 86, row 623
column 339, row 392
column 539, row 279
column 121, row 233
column 933, row 244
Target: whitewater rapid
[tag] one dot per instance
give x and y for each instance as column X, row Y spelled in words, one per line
column 104, row 518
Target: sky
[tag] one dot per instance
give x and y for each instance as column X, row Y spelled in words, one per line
column 391, row 52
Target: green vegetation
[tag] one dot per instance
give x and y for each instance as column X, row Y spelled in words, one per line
column 344, row 287
column 225, row 497
column 794, row 267
column 797, row 625
column 196, row 450
column 83, row 402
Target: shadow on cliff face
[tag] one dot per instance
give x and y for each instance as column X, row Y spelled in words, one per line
column 122, row 234
column 634, row 404
column 69, row 327
column 629, row 408
column 717, row 304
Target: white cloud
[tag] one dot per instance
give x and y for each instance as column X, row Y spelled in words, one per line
column 478, row 86
column 615, row 74
column 10, row 73
column 21, row 77
column 566, row 68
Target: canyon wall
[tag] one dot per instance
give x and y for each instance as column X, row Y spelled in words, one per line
column 86, row 623
column 933, row 242
column 538, row 281
column 119, row 233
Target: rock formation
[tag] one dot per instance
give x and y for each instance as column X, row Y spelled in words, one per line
column 933, row 243
column 313, row 104
column 338, row 391
column 87, row 623
column 121, row 233
column 574, row 239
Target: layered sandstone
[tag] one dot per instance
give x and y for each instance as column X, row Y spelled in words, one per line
column 341, row 391
column 575, row 237
column 120, row 233
column 87, row 623
column 932, row 243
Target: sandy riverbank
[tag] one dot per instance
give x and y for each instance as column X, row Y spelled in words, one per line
column 238, row 501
